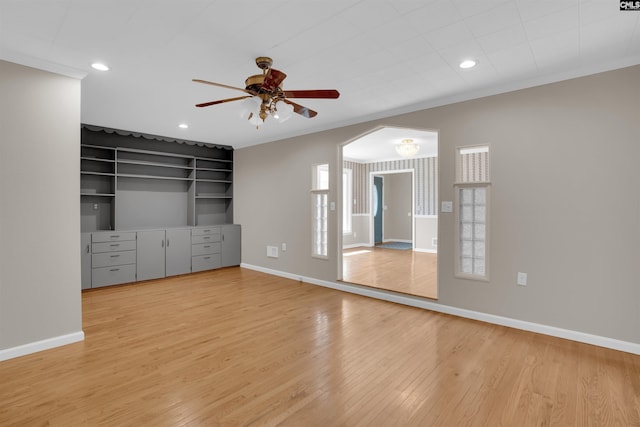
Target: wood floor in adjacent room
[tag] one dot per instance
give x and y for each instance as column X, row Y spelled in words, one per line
column 404, row 271
column 237, row 347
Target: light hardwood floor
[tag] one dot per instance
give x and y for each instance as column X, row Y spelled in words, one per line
column 237, row 347
column 408, row 272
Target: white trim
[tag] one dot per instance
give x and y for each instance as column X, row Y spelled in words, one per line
column 46, row 344
column 614, row 344
column 426, row 216
column 360, row 214
column 356, row 245
column 42, row 64
column 429, row 251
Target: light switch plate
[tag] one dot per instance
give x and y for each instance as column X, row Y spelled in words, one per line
column 447, row 206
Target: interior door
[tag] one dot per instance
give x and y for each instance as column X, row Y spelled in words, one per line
column 377, row 209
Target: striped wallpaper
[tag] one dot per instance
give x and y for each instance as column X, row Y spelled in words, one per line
column 426, row 182
column 473, row 167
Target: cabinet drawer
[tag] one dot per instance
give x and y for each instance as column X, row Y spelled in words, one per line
column 129, row 245
column 205, row 249
column 105, row 276
column 112, row 236
column 205, row 239
column 204, row 231
column 205, row 262
column 107, row 259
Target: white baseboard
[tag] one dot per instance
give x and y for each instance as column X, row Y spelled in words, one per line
column 34, row 347
column 356, row 245
column 429, row 251
column 553, row 331
column 397, row 240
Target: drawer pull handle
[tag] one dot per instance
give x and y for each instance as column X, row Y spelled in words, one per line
column 207, row 257
column 206, row 246
column 206, row 231
column 115, row 236
column 115, row 245
column 115, row 269
column 115, row 256
column 206, row 237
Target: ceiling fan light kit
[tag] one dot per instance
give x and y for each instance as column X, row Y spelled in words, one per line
column 265, row 96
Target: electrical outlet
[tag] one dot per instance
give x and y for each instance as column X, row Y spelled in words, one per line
column 284, row 247
column 95, row 206
column 522, row 279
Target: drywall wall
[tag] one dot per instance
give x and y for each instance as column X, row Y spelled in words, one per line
column 564, row 201
column 398, row 217
column 39, row 208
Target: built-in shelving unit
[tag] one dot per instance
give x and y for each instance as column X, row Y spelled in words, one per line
column 131, row 181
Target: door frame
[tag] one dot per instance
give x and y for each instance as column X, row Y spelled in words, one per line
column 413, row 203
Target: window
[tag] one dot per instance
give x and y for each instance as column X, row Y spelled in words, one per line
column 347, row 200
column 472, row 200
column 320, row 224
column 321, row 177
column 320, row 210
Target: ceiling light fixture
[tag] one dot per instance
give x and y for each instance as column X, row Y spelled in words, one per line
column 407, row 148
column 469, row 63
column 99, row 66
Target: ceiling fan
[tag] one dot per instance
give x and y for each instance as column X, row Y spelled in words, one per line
column 265, row 96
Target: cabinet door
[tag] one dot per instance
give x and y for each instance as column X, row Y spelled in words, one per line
column 150, row 254
column 85, row 257
column 178, row 252
column 230, row 245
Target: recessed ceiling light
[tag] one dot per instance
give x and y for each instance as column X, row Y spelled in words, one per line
column 99, row 66
column 469, row 63
column 183, row 126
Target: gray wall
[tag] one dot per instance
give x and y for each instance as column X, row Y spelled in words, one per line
column 398, row 206
column 564, row 201
column 39, row 206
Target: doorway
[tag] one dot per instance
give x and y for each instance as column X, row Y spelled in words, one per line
column 391, row 239
column 378, row 212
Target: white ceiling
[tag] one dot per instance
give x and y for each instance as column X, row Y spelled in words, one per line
column 385, row 57
column 379, row 144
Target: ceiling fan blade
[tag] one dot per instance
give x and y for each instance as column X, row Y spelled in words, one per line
column 225, row 86
column 221, row 101
column 303, row 111
column 272, row 80
column 319, row 93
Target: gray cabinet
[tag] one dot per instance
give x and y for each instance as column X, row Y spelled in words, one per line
column 178, row 251
column 150, row 254
column 85, row 259
column 163, row 253
column 113, row 259
column 205, row 248
column 230, row 242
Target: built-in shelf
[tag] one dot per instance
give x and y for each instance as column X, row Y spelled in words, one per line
column 132, row 182
column 172, row 178
column 97, row 173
